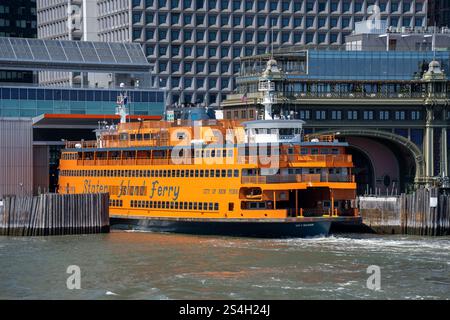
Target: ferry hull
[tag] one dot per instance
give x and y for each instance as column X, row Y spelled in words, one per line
column 288, row 228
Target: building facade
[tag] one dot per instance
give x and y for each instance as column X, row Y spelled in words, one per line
column 34, row 101
column 391, row 106
column 439, row 13
column 68, row 20
column 196, row 44
column 17, row 19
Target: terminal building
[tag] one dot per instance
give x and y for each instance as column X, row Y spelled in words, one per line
column 391, row 106
column 35, row 119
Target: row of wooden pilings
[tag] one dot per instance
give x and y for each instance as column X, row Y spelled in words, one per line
column 54, row 214
column 424, row 212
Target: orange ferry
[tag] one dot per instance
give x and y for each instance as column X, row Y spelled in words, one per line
column 258, row 178
column 160, row 178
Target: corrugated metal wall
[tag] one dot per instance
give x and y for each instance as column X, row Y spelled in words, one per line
column 40, row 169
column 16, row 156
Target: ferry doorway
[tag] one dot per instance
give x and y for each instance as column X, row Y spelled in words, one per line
column 312, row 201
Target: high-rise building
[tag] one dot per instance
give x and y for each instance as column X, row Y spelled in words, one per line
column 67, row 20
column 17, row 19
column 439, row 13
column 196, row 44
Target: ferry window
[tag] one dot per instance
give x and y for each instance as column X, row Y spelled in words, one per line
column 132, row 137
column 224, row 173
column 324, row 151
column 230, row 153
column 224, row 153
column 164, row 173
column 201, row 173
column 230, row 206
column 195, row 205
column 218, row 173
column 213, row 153
column 210, row 206
column 326, row 204
column 159, row 204
column 211, row 173
column 196, row 173
column 335, row 151
column 290, row 171
column 236, row 173
column 229, row 173
column 185, row 205
column 311, row 170
column 290, row 151
column 176, row 205
column 182, row 173
column 139, row 136
column 169, row 173
column 174, row 172
column 146, row 136
column 123, row 136
column 163, row 205
column 208, row 154
column 253, row 205
column 314, row 151
column 167, row 205
column 216, row 206
column 190, row 205
column 207, row 173
column 197, row 154
column 200, row 206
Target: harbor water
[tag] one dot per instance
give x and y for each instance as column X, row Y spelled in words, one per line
column 143, row 265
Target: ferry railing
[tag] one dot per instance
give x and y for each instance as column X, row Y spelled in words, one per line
column 81, row 144
column 329, row 159
column 297, row 178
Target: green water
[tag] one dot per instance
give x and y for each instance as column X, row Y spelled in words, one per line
column 138, row 265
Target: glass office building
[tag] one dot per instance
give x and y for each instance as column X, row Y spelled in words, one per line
column 31, row 102
column 322, row 65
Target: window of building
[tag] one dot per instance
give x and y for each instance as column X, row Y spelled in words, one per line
column 399, row 115
column 352, row 115
column 321, row 115
column 248, row 5
column 261, row 5
column 383, row 115
column 248, row 21
column 367, row 115
column 224, row 4
column 336, row 115
column 415, row 115
column 322, row 5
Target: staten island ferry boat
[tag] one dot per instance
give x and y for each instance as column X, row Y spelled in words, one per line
column 260, row 178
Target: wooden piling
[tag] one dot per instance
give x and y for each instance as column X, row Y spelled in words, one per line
column 408, row 213
column 54, row 214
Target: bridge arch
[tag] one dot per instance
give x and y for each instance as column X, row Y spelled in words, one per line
column 413, row 150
